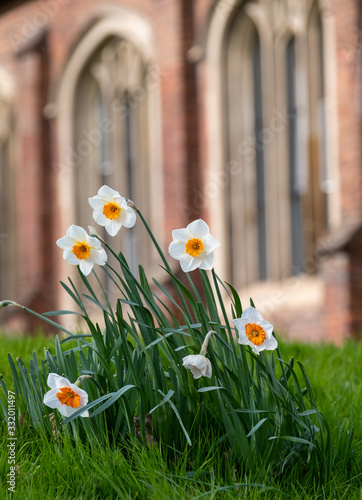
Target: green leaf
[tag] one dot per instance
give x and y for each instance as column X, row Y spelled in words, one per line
column 256, row 427
column 211, row 388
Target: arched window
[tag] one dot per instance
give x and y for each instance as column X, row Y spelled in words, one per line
column 7, row 188
column 271, row 130
column 109, row 132
column 111, row 138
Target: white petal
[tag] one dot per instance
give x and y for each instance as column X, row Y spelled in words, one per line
column 69, row 256
column 257, row 348
column 108, row 192
column 56, row 381
column 240, row 324
column 50, row 398
column 244, row 339
column 99, row 256
column 77, row 232
column 189, row 263
column 122, row 202
column 97, row 202
column 100, row 218
column 210, row 243
column 65, row 242
column 189, row 360
column 208, row 371
column 177, row 249
column 86, row 266
column 93, row 242
column 81, row 393
column 270, row 344
column 183, row 235
column 252, row 315
column 195, row 372
column 198, row 228
column 65, row 410
column 207, row 262
column 113, row 226
column 267, row 327
column 85, row 414
column 130, row 219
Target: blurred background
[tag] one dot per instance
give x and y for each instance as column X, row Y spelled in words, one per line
column 244, row 113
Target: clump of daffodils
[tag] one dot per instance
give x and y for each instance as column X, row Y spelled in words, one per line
column 193, row 246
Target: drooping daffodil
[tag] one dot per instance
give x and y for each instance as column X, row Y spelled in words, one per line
column 111, row 210
column 255, row 331
column 198, row 364
column 82, row 249
column 65, row 396
column 194, row 246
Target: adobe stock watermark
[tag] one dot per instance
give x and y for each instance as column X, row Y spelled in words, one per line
column 119, row 110
column 11, row 446
column 46, row 10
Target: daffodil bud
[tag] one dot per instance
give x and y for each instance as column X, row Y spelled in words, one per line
column 199, row 365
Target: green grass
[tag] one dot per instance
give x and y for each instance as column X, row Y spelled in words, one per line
column 63, row 470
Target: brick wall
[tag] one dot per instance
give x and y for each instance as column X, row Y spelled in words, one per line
column 36, row 41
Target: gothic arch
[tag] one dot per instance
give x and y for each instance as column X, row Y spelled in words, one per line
column 128, row 26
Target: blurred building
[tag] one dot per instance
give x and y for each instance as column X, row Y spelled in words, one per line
column 244, row 113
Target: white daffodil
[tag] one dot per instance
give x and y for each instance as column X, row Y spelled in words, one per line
column 194, row 246
column 65, row 396
column 110, row 210
column 199, row 365
column 82, row 249
column 254, row 331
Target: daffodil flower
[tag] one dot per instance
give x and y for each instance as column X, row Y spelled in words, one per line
column 198, row 364
column 254, row 331
column 194, row 246
column 65, row 396
column 82, row 249
column 110, row 210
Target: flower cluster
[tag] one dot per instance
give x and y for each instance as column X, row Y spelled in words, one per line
column 193, row 246
column 110, row 210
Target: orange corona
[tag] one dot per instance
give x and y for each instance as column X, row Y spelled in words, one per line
column 81, row 250
column 194, row 247
column 255, row 333
column 68, row 397
column 111, row 210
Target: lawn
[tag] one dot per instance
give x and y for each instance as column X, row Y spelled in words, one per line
column 61, row 470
